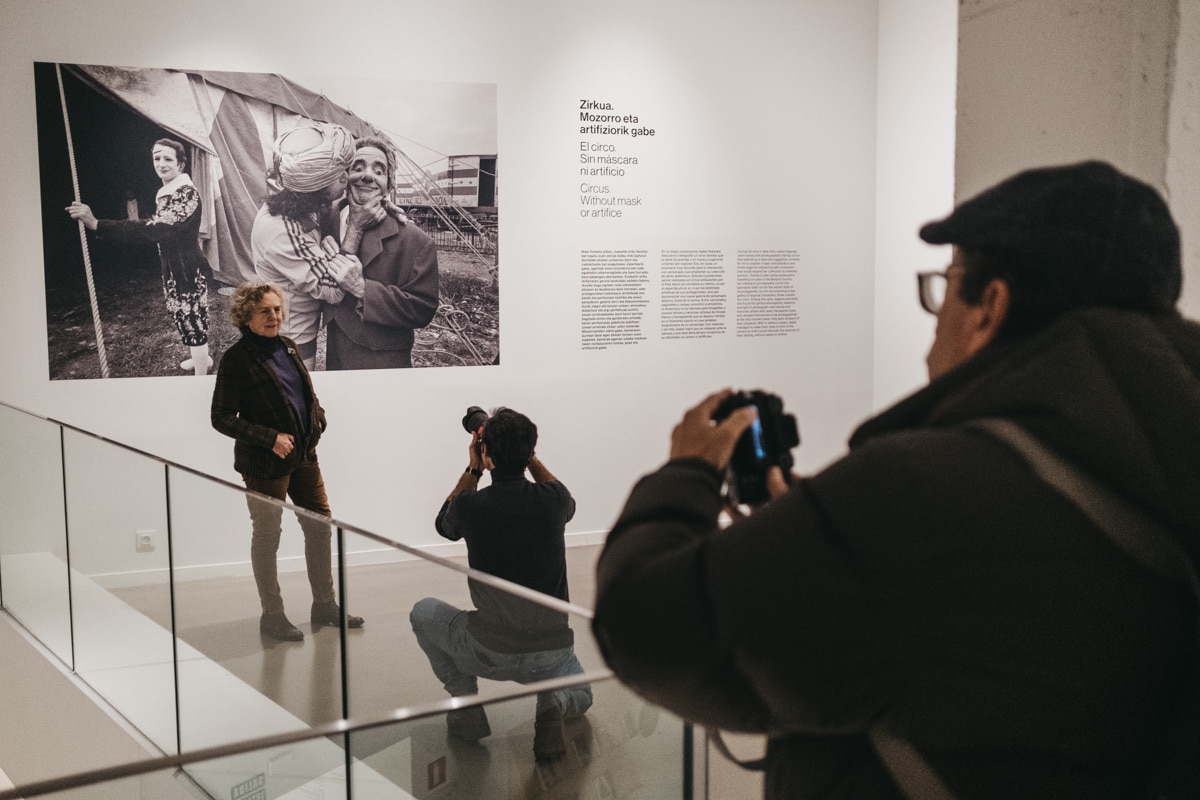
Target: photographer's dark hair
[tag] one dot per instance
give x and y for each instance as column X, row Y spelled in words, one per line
column 510, row 437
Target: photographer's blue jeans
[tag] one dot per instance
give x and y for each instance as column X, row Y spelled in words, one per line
column 458, row 659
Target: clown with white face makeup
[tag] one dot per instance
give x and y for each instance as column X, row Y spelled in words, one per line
column 392, row 287
column 369, row 176
column 174, row 229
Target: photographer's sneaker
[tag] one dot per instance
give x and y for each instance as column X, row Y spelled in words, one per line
column 549, row 742
column 468, row 724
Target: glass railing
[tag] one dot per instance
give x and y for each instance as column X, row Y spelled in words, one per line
column 108, row 559
column 621, row 748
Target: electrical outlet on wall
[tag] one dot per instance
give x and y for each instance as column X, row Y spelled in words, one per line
column 145, row 541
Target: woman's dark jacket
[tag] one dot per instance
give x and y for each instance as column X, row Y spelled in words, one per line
column 249, row 405
column 930, row 580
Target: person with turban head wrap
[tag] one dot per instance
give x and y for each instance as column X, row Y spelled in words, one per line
column 293, row 238
column 313, row 157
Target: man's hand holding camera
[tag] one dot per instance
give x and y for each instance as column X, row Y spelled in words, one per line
column 476, row 463
column 698, row 436
column 711, row 431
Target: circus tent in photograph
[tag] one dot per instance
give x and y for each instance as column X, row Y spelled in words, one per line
column 228, row 120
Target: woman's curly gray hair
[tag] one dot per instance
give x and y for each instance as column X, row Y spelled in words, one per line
column 246, row 298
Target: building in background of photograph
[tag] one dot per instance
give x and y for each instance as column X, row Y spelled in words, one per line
column 455, row 199
column 468, row 180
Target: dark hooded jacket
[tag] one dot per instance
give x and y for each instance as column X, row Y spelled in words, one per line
column 928, row 579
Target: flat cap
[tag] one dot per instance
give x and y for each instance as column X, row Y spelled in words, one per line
column 1085, row 234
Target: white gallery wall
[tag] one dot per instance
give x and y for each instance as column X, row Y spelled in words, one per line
column 822, row 129
column 1066, row 80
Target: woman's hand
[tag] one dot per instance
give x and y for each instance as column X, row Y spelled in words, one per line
column 698, row 436
column 284, row 444
column 83, row 213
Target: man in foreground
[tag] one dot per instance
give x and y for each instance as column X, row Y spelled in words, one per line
column 927, row 617
column 514, row 530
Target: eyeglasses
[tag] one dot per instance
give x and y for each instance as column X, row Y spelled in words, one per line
column 931, row 289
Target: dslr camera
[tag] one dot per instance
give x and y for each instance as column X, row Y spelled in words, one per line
column 767, row 443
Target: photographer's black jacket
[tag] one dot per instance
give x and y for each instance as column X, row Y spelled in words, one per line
column 930, row 579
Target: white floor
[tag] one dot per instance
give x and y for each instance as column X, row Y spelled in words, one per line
column 233, row 686
column 126, row 659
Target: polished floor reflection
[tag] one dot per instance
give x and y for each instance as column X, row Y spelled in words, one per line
column 622, row 748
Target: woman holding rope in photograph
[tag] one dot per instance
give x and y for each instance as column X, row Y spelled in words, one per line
column 175, row 228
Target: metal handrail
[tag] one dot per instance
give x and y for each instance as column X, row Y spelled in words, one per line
column 474, row 574
column 335, row 728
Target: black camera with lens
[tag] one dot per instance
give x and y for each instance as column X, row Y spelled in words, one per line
column 767, row 443
column 474, row 419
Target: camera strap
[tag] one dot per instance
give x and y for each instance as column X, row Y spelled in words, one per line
column 1138, row 536
column 714, row 736
column 1173, row 770
column 1141, row 538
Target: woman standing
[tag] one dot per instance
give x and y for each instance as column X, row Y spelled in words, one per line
column 175, row 228
column 264, row 400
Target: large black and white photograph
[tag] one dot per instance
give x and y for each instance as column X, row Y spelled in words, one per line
column 371, row 204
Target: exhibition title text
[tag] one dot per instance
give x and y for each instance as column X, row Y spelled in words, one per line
column 593, row 114
column 601, row 157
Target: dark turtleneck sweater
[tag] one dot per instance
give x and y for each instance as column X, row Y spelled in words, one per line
column 277, row 355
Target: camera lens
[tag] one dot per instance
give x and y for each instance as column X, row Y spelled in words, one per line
column 473, row 420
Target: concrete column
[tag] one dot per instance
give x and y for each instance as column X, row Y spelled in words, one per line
column 1055, row 81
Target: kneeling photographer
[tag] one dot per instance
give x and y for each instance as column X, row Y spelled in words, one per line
column 514, row 530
